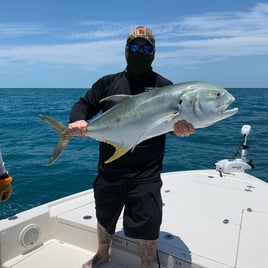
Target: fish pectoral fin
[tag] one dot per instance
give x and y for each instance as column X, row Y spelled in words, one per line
column 147, row 89
column 116, row 98
column 120, row 150
column 158, row 122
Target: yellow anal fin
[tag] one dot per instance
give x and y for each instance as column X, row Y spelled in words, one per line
column 120, row 150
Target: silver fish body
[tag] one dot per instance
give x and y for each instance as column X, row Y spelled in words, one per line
column 135, row 118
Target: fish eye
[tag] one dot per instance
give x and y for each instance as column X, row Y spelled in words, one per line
column 180, row 102
column 217, row 94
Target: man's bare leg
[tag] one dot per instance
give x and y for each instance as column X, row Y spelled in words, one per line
column 102, row 254
column 147, row 250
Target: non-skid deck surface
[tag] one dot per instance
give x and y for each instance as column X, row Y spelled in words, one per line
column 53, row 254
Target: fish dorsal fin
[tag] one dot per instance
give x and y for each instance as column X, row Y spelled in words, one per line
column 165, row 118
column 116, row 98
column 120, row 150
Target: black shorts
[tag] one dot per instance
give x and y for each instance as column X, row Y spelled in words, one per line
column 142, row 205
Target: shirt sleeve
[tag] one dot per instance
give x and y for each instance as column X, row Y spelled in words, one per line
column 88, row 106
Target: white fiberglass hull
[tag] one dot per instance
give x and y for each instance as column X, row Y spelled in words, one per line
column 208, row 221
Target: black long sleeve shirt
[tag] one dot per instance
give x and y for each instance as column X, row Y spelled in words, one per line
column 144, row 164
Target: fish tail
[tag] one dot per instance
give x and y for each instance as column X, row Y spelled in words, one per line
column 63, row 132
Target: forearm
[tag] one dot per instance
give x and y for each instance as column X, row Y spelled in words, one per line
column 79, row 112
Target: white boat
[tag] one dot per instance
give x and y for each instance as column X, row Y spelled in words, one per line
column 211, row 218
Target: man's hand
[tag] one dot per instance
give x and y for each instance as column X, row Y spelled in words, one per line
column 78, row 128
column 5, row 188
column 183, row 128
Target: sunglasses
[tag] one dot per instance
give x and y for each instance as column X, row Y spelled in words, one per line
column 136, row 48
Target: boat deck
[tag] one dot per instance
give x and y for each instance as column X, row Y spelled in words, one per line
column 208, row 221
column 52, row 254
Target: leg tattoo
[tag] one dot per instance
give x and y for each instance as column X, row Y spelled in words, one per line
column 102, row 255
column 147, row 251
column 104, row 237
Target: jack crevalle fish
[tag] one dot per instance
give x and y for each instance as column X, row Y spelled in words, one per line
column 135, row 118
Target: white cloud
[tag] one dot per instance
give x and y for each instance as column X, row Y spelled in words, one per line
column 73, row 54
column 225, row 24
column 200, row 38
column 17, row 30
column 214, row 36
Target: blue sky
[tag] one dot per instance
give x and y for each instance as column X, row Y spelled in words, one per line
column 71, row 43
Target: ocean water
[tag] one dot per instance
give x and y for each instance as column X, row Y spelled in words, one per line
column 26, row 143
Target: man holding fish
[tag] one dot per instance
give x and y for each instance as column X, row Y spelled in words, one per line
column 132, row 180
column 139, row 107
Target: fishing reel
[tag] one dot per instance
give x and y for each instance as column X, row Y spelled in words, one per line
column 237, row 164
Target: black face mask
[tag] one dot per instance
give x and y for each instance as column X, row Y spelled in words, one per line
column 139, row 64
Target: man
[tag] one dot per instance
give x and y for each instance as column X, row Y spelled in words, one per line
column 5, row 181
column 132, row 181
